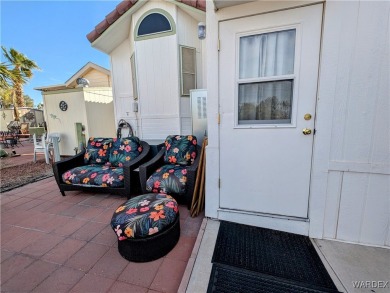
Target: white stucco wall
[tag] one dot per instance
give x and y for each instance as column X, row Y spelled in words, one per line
column 93, row 107
column 63, row 122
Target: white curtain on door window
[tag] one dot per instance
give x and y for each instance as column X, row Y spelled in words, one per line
column 266, row 55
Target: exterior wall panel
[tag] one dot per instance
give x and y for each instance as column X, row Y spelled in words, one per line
column 351, row 157
column 121, row 78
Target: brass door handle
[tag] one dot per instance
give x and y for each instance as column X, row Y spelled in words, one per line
column 306, row 131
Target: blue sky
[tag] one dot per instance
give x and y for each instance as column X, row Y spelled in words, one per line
column 53, row 34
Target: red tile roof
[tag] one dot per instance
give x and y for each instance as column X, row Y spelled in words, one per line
column 124, row 6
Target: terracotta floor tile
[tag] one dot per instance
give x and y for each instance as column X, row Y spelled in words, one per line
column 71, row 226
column 105, row 216
column 30, row 277
column 45, row 206
column 110, row 265
column 93, row 284
column 51, row 222
column 141, row 274
column 87, row 256
column 54, row 196
column 11, row 233
column 183, row 249
column 37, row 193
column 54, row 243
column 121, row 287
column 190, row 227
column 14, row 265
column 42, row 245
column 60, row 207
column 73, row 210
column 106, row 237
column 111, row 202
column 90, row 213
column 16, row 203
column 64, row 250
column 62, row 280
column 169, row 276
column 88, row 231
column 31, row 204
column 93, row 200
column 75, row 198
column 23, row 240
column 13, row 218
column 6, row 255
column 41, row 221
column 184, row 212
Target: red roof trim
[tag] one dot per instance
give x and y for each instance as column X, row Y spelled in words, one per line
column 124, row 6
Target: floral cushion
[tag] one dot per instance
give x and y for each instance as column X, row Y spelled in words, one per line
column 95, row 175
column 180, row 149
column 124, row 150
column 144, row 215
column 168, row 179
column 97, row 150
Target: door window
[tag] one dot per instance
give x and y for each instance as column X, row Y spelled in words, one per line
column 266, row 78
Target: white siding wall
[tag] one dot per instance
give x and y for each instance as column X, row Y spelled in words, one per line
column 351, row 168
column 122, row 84
column 157, row 74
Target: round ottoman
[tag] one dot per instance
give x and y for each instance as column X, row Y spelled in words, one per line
column 147, row 226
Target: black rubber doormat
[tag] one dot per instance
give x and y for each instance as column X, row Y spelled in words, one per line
column 269, row 254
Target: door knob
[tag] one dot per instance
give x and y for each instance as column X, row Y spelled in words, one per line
column 306, row 131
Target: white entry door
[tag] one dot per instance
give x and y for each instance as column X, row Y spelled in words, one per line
column 268, row 83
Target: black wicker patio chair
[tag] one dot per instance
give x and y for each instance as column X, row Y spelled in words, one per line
column 173, row 170
column 77, row 174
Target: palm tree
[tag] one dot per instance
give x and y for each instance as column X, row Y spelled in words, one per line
column 6, row 76
column 22, row 71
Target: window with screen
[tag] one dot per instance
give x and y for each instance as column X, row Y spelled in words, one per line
column 266, row 77
column 187, row 70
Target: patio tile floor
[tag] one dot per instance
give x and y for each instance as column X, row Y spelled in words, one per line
column 51, row 243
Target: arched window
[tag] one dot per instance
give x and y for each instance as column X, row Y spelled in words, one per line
column 153, row 24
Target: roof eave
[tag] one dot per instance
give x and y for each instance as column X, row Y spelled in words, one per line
column 108, row 41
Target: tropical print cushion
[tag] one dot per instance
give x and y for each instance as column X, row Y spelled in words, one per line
column 169, row 179
column 95, row 175
column 144, row 215
column 124, row 150
column 98, row 150
column 180, row 149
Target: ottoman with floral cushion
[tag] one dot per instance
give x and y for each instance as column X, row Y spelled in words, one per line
column 147, row 226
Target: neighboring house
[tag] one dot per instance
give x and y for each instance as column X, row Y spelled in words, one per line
column 34, row 117
column 74, row 109
column 298, row 109
column 156, row 58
